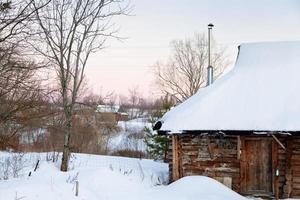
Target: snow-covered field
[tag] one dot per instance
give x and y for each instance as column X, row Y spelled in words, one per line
column 106, row 178
column 131, row 135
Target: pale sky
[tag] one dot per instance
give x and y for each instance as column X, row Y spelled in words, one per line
column 156, row 23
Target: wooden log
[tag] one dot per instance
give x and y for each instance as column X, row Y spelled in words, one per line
column 175, row 159
column 296, row 180
column 296, row 186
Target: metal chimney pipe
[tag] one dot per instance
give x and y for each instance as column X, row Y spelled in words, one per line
column 210, row 71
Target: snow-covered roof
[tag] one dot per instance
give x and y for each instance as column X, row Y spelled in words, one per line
column 261, row 93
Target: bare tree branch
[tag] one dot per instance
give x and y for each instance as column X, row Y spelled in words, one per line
column 15, row 17
column 185, row 72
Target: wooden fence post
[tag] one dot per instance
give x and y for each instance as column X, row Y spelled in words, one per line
column 76, row 188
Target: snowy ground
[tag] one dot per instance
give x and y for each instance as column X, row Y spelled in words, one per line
column 131, row 135
column 100, row 177
column 105, row 178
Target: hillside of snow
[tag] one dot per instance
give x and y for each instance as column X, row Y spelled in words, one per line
column 106, row 178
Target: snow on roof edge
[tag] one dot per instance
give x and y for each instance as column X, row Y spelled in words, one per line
column 264, row 54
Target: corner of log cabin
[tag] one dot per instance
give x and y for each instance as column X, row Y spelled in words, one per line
column 176, row 158
column 222, row 158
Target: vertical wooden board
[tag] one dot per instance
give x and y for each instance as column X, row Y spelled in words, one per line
column 170, row 160
column 175, row 159
column 242, row 165
column 238, row 149
column 275, row 167
column 180, row 158
column 257, row 167
column 288, row 173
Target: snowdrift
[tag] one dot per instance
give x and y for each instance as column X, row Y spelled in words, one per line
column 196, row 188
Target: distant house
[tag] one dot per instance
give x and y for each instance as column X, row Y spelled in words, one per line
column 110, row 113
column 108, row 108
column 244, row 129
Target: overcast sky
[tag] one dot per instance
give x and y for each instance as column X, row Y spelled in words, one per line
column 156, row 23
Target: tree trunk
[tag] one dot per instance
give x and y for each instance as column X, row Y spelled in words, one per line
column 67, row 133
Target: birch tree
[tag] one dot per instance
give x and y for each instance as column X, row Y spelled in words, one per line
column 70, row 31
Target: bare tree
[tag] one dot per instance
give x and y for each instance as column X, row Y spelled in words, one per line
column 70, row 31
column 15, row 16
column 134, row 104
column 185, row 72
column 134, row 100
column 20, row 93
column 20, row 96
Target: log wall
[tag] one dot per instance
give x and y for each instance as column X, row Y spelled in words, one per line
column 214, row 157
column 219, row 158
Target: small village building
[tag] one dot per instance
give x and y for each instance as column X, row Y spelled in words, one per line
column 110, row 114
column 244, row 129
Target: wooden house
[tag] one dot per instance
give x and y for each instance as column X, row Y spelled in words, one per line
column 110, row 114
column 243, row 130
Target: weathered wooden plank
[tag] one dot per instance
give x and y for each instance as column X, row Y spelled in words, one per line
column 295, row 157
column 275, row 168
column 295, row 193
column 295, row 173
column 295, row 169
column 281, row 157
column 288, row 174
column 296, row 186
column 243, row 166
column 296, row 180
column 175, row 159
column 238, row 147
column 215, row 160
